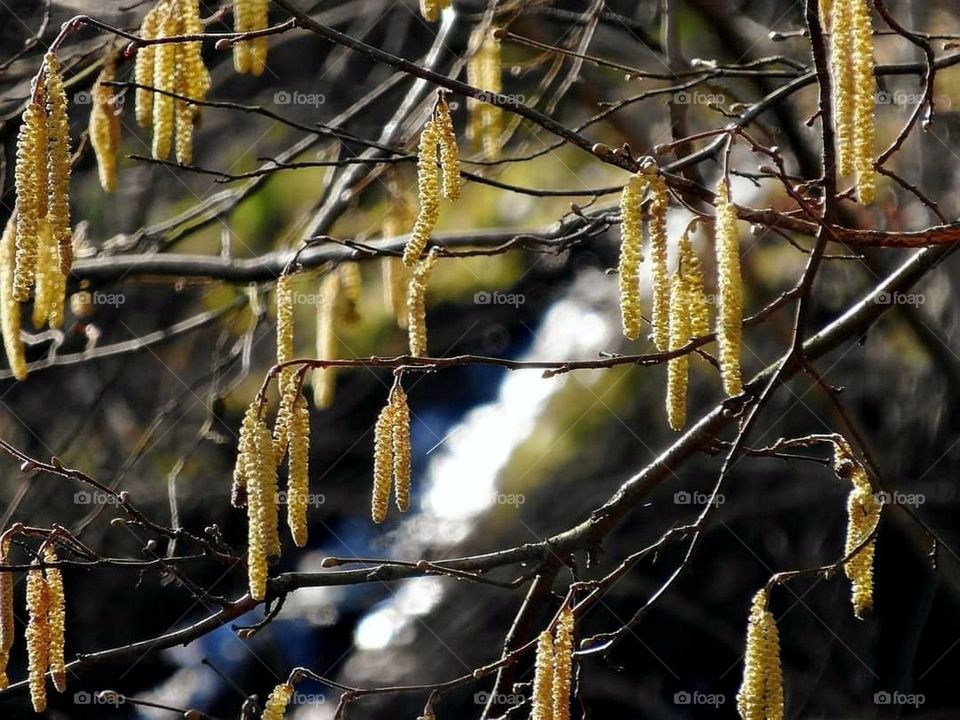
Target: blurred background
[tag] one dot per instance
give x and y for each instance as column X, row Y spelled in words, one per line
column 500, row 458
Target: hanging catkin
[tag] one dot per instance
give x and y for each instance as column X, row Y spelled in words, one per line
column 677, row 367
column 285, row 325
column 50, row 285
column 841, row 71
column 143, row 67
column 7, row 621
column 563, row 665
column 543, row 679
column 417, row 305
column 238, row 494
column 56, row 614
column 449, row 152
column 298, row 470
column 10, row 308
column 30, row 169
column 660, row 281
column 401, row 447
column 761, row 692
column 192, row 80
column 484, row 71
column 165, row 81
column 730, row 292
column 351, row 284
column 277, row 702
column 38, row 637
column 399, row 219
column 382, row 463
column 692, row 272
column 864, row 103
column 631, row 253
column 250, row 56
column 863, row 514
column 105, row 125
column 428, row 193
column 323, row 380
column 261, row 477
column 431, row 9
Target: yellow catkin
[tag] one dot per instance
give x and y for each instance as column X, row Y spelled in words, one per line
column 428, row 194
column 10, row 308
column 761, row 692
column 56, row 615
column 692, row 272
column 382, row 464
column 250, row 56
column 399, row 219
column 401, row 447
column 263, row 538
column 417, row 305
column 192, row 81
column 143, row 67
column 50, row 284
column 841, row 71
column 449, row 152
column 105, row 126
column 7, row 621
column 298, row 471
column 631, row 254
column 277, row 702
column 38, row 637
column 165, row 81
column 543, row 679
column 864, row 104
column 431, row 9
column 677, row 367
column 238, row 494
column 27, row 176
column 484, row 71
column 351, row 285
column 323, row 380
column 863, row 514
column 285, row 326
column 660, row 281
column 563, row 665
column 730, row 292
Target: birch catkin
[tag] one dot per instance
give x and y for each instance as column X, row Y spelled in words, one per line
column 484, row 71
column 9, row 307
column 30, row 167
column 428, row 193
column 165, row 81
column 285, row 326
column 323, row 380
column 863, row 515
column 298, row 470
column 7, row 621
column 841, row 50
column 631, row 254
column 105, row 125
column 692, row 272
column 398, row 220
column 192, row 80
column 238, row 495
column 864, row 104
column 38, row 637
column 382, row 464
column 143, row 67
column 730, row 292
column 260, row 470
column 250, row 56
column 56, row 616
column 449, row 152
column 401, row 447
column 277, row 702
column 543, row 679
column 660, row 281
column 677, row 367
column 563, row 665
column 417, row 305
column 761, row 692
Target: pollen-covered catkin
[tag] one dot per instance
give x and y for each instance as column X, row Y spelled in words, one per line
column 143, row 67
column 250, row 56
column 563, row 665
column 449, row 152
column 50, row 284
column 105, row 125
column 677, row 367
column 277, row 702
column 7, row 621
column 543, row 679
column 58, row 133
column 285, row 326
column 238, row 494
column 417, row 305
column 428, row 193
column 401, row 447
column 29, row 169
column 323, row 380
column 761, row 692
column 660, row 281
column 863, row 514
column 631, row 254
column 692, row 272
column 298, row 470
column 165, row 81
column 484, row 71
column 263, row 537
column 842, row 75
column 192, row 81
column 10, row 308
column 730, row 292
column 864, row 103
column 38, row 637
column 382, row 464
column 56, row 615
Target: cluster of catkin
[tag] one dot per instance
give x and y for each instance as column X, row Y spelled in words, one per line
column 391, row 455
column 105, row 124
column 854, row 90
column 431, row 9
column 250, row 56
column 171, row 69
column 484, row 71
column 761, row 692
column 863, row 515
column 554, row 671
column 277, row 702
column 438, row 175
